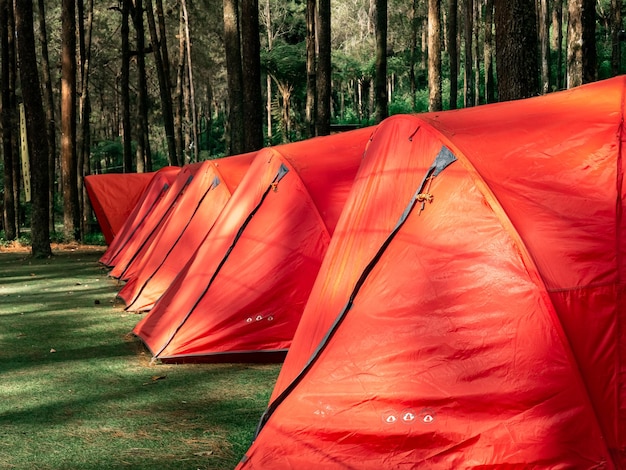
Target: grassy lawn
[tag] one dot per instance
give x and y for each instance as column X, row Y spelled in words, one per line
column 78, row 392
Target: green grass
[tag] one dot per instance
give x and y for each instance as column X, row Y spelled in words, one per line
column 77, row 391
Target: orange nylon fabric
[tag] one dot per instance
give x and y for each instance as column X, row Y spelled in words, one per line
column 180, row 234
column 241, row 295
column 488, row 332
column 145, row 234
column 151, row 197
column 113, row 197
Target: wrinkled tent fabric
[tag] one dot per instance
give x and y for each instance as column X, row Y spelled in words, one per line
column 145, row 233
column 241, row 295
column 179, row 236
column 154, row 192
column 472, row 317
column 113, row 197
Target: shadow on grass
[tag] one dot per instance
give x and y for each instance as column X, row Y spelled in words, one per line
column 78, row 391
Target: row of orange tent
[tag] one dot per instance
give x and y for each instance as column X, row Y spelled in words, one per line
column 446, row 289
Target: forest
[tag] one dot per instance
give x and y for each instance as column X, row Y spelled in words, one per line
column 93, row 87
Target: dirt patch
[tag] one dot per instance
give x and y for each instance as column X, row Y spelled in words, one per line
column 17, row 247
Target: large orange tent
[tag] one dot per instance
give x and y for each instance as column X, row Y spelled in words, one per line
column 241, row 295
column 470, row 310
column 180, row 234
column 113, row 197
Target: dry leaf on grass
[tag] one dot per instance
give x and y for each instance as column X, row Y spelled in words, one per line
column 155, row 378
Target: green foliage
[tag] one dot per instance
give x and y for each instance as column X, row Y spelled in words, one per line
column 108, row 156
column 95, row 238
column 285, row 63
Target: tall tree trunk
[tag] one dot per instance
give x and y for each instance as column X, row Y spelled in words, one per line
column 310, row 68
column 80, row 150
column 517, row 49
column 14, row 116
column 616, row 27
column 590, row 55
column 468, row 76
column 69, row 161
column 84, row 139
column 476, row 52
column 251, row 69
column 48, row 100
column 142, row 153
column 192, row 90
column 35, row 121
column 323, row 78
column 178, row 102
column 557, row 40
column 453, row 52
column 381, row 60
column 268, row 78
column 435, row 102
column 544, row 42
column 9, row 158
column 414, row 53
column 165, row 88
column 490, row 95
column 574, row 43
column 125, row 90
column 234, row 76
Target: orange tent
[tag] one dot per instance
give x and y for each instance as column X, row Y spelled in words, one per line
column 468, row 313
column 179, row 235
column 145, row 233
column 241, row 295
column 151, row 196
column 113, row 197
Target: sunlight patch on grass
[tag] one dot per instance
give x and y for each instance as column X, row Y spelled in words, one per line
column 78, row 390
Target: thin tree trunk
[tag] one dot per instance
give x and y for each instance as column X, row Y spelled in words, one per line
column 84, row 134
column 125, row 89
column 590, row 55
column 251, row 69
column 234, row 76
column 165, row 62
column 178, row 104
column 616, row 27
column 381, row 60
column 544, row 42
column 268, row 78
column 435, row 102
column 14, row 116
column 574, row 43
column 192, row 91
column 80, row 149
column 557, row 40
column 142, row 91
column 323, row 78
column 467, row 74
column 453, row 31
column 186, row 102
column 48, row 100
column 35, row 121
column 69, row 161
column 476, row 51
column 164, row 84
column 310, row 68
column 488, row 59
column 9, row 215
